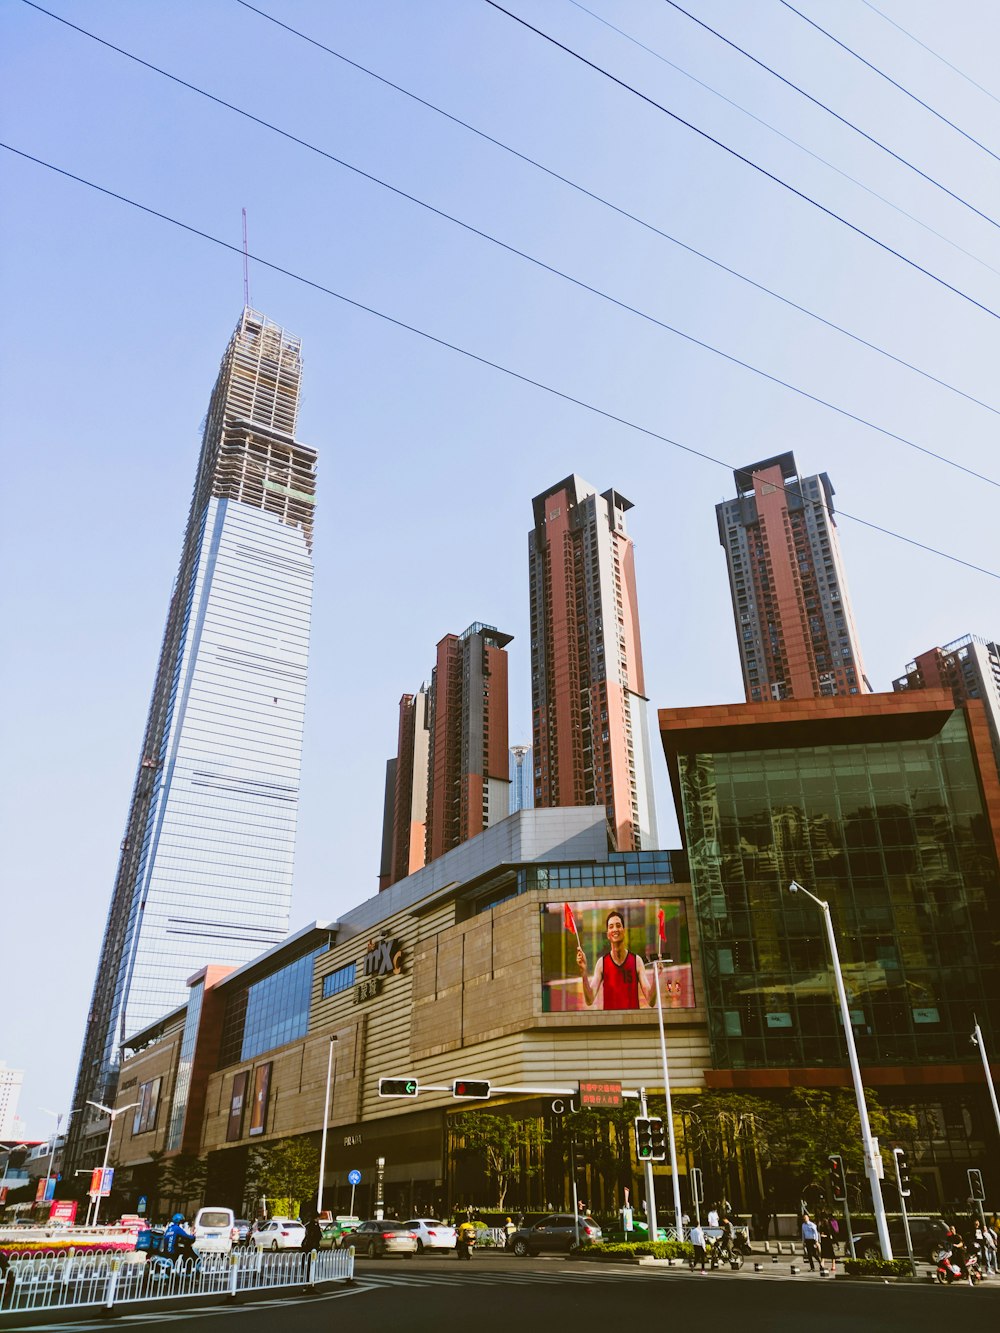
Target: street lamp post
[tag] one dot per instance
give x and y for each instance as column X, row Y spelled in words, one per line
column 977, row 1041
column 52, row 1150
column 112, row 1113
column 881, row 1225
column 330, row 1067
column 678, row 1212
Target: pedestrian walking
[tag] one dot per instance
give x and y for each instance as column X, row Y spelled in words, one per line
column 810, row 1242
column 827, row 1243
column 698, row 1241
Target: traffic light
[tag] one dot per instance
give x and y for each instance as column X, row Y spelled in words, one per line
column 976, row 1190
column 657, row 1140
column 470, row 1087
column 397, row 1087
column 643, row 1138
column 902, row 1172
column 838, row 1181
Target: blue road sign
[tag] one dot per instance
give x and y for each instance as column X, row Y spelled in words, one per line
column 354, row 1177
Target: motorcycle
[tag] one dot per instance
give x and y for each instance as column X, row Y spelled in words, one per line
column 949, row 1269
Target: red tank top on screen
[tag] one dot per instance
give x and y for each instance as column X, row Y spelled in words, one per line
column 621, row 983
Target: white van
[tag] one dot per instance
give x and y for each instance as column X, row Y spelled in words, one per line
column 214, row 1230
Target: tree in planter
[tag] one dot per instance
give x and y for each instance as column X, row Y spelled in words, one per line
column 507, row 1147
column 288, row 1169
column 184, row 1179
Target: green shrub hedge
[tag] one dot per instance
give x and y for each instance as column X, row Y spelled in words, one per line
column 877, row 1267
column 658, row 1249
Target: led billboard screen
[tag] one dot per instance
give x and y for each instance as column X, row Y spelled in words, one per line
column 599, row 955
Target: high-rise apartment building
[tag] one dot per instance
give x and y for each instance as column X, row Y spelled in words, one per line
column 588, row 696
column 10, row 1094
column 468, row 780
column 794, row 623
column 522, row 781
column 404, row 820
column 969, row 667
column 205, row 869
column 450, row 778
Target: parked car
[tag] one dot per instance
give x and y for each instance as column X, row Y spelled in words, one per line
column 214, row 1230
column 555, row 1231
column 377, row 1239
column 926, row 1233
column 281, row 1233
column 243, row 1229
column 334, row 1232
column 431, row 1234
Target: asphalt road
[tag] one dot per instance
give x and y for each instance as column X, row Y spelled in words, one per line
column 496, row 1293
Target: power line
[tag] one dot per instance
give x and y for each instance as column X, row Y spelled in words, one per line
column 643, row 222
column 532, row 259
column 759, row 120
column 475, row 357
column 816, row 101
column 740, row 157
column 930, row 50
column 888, row 78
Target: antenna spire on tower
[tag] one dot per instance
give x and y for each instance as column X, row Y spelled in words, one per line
column 246, row 266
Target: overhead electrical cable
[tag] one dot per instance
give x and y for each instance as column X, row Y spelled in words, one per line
column 546, row 267
column 889, row 79
column 643, row 222
column 741, row 157
column 929, row 49
column 465, row 352
column 758, row 120
column 824, row 106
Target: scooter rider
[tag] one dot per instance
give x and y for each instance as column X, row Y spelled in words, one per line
column 177, row 1242
column 466, row 1239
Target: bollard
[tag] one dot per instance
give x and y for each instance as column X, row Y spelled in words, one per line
column 758, row 1268
column 734, row 1265
column 767, row 1247
column 234, row 1263
column 109, row 1299
column 774, row 1258
column 795, row 1268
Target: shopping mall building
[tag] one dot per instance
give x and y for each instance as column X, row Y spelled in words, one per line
column 887, row 806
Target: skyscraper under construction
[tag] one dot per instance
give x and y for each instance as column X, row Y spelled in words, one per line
column 205, row 870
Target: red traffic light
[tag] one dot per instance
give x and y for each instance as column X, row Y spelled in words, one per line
column 479, row 1089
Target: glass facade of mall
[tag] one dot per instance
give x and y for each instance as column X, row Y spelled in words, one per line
column 894, row 834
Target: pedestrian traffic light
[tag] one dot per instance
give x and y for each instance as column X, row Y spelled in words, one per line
column 397, row 1087
column 976, row 1190
column 643, row 1138
column 657, row 1140
column 470, row 1087
column 902, row 1172
column 838, row 1181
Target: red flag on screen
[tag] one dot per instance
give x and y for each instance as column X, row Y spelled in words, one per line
column 568, row 921
column 661, row 925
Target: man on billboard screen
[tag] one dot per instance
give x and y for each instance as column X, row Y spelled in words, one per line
column 620, row 977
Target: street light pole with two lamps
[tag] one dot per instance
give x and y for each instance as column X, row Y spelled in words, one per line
column 868, row 1143
column 112, row 1113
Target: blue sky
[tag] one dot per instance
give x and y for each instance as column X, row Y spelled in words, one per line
column 112, row 324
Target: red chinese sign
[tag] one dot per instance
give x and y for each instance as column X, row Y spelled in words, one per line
column 601, row 1093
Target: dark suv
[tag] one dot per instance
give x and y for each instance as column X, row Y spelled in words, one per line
column 555, row 1231
column 926, row 1233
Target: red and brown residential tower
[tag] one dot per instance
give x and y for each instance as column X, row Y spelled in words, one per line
column 588, row 697
column 794, row 623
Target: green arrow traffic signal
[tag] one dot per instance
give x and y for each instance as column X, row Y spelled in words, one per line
column 398, row 1087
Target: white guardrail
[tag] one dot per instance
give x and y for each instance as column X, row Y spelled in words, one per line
column 41, row 1282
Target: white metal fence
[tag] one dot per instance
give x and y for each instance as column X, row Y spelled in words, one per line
column 44, row 1283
